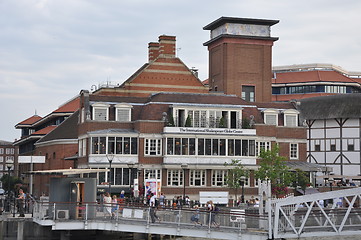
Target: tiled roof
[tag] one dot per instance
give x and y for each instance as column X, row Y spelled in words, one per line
column 71, row 106
column 66, row 130
column 44, row 131
column 310, row 76
column 30, row 120
column 329, row 107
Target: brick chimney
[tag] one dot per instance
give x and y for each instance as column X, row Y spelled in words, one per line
column 153, row 51
column 167, row 46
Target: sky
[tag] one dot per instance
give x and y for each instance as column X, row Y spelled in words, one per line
column 52, row 49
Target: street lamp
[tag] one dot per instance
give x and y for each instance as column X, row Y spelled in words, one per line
column 110, row 158
column 130, row 166
column 184, row 167
column 9, row 164
column 243, row 179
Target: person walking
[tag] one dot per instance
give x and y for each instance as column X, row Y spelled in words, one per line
column 152, row 205
column 115, row 206
column 196, row 215
column 107, row 204
column 21, row 202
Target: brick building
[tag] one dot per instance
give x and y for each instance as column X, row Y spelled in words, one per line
column 162, row 124
column 301, row 81
column 8, row 153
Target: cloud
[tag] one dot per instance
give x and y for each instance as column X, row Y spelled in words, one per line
column 50, row 50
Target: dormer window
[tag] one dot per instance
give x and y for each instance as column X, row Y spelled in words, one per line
column 123, row 112
column 100, row 112
column 271, row 117
column 290, row 118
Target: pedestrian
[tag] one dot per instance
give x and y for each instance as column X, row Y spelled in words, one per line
column 162, row 200
column 196, row 215
column 212, row 210
column 115, row 205
column 21, row 202
column 107, row 200
column 152, row 205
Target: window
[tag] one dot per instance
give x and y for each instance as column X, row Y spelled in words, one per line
column 123, row 112
column 266, row 146
column 219, row 178
column 350, row 145
column 333, row 145
column 197, row 177
column 1, row 159
column 100, row 112
column 271, row 117
column 175, row 178
column 248, row 93
column 117, row 145
column 9, row 151
column 1, row 151
column 293, row 151
column 152, row 174
column 152, row 146
column 317, row 147
column 290, row 118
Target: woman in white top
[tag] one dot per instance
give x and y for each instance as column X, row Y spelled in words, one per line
column 107, row 204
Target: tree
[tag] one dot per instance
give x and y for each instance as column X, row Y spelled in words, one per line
column 235, row 175
column 170, row 121
column 188, row 122
column 273, row 168
column 13, row 181
column 222, row 123
column 301, row 180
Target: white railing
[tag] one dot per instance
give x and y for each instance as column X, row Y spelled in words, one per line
column 320, row 214
column 224, row 220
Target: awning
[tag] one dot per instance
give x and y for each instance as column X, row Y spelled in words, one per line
column 307, row 166
column 65, row 172
column 339, row 177
column 307, row 191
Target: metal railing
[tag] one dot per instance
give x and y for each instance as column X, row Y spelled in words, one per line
column 234, row 220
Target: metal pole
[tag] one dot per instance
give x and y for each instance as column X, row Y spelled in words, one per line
column 110, row 177
column 242, row 198
column 9, row 205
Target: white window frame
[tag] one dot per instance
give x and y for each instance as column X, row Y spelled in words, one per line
column 266, row 147
column 152, row 174
column 293, row 114
column 270, row 113
column 175, row 177
column 1, row 151
column 219, row 174
column 100, row 106
column 126, row 108
column 152, row 147
column 195, row 175
column 294, row 151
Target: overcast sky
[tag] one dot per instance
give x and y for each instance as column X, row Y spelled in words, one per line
column 52, row 49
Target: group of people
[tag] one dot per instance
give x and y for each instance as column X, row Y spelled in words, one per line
column 111, row 204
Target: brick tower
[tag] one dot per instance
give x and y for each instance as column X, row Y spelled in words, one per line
column 240, row 57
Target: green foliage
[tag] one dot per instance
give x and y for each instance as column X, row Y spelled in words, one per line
column 170, row 121
column 246, row 123
column 13, row 182
column 301, row 179
column 222, row 123
column 188, row 122
column 235, row 175
column 273, row 168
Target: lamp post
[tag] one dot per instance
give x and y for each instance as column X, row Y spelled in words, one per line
column 184, row 167
column 243, row 178
column 130, row 166
column 110, row 158
column 9, row 164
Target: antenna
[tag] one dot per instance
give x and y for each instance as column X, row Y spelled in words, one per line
column 35, row 112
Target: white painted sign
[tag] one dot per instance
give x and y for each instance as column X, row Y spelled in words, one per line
column 216, row 197
column 226, row 131
column 31, row 159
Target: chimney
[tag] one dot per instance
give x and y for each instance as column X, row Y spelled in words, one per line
column 167, row 46
column 153, row 51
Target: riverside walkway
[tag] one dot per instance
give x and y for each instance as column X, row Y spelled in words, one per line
column 329, row 214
